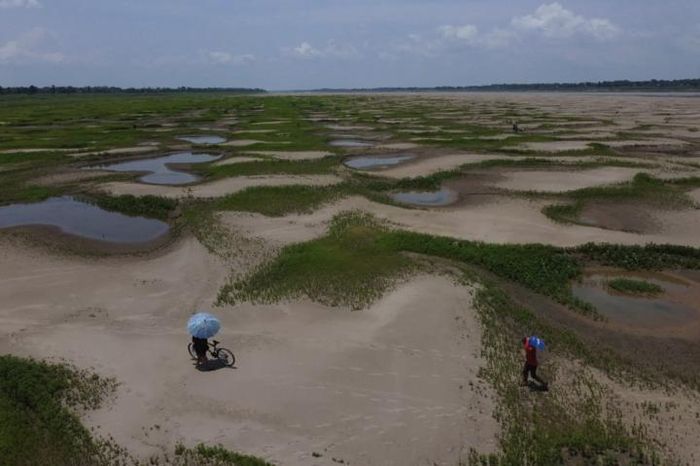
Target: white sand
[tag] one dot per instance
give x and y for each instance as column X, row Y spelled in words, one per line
column 695, row 195
column 271, row 122
column 556, row 146
column 349, row 127
column 293, row 155
column 559, row 181
column 118, row 151
column 508, row 220
column 398, row 146
column 242, row 142
column 422, row 166
column 217, row 188
column 255, row 131
column 237, row 159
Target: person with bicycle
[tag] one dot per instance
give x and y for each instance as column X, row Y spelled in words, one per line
column 200, row 345
column 203, row 326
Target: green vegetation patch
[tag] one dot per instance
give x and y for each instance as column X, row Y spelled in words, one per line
column 20, row 169
column 20, row 192
column 545, row 269
column 101, row 122
column 647, row 257
column 36, row 424
column 642, row 188
column 290, row 131
column 634, row 287
column 350, row 266
column 321, row 166
column 203, row 455
column 146, row 206
column 276, row 201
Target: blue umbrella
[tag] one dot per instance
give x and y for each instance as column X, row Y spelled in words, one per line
column 203, row 325
column 537, row 342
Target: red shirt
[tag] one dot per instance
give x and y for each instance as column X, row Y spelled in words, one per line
column 530, row 354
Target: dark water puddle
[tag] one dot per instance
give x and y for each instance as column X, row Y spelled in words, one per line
column 79, row 218
column 636, row 310
column 426, row 198
column 368, row 162
column 204, row 139
column 350, row 143
column 158, row 170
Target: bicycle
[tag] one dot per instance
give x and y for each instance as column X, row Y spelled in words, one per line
column 224, row 355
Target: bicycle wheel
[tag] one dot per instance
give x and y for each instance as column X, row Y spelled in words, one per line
column 226, row 356
column 190, row 349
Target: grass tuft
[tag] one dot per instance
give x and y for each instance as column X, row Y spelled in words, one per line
column 36, row 424
column 146, row 206
column 203, row 455
column 277, row 201
column 634, row 287
column 321, row 166
column 643, row 188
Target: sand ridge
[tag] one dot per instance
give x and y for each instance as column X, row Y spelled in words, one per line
column 293, row 155
column 426, row 165
column 502, row 220
column 561, row 181
column 217, row 188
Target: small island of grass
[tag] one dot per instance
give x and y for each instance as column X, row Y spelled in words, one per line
column 634, row 287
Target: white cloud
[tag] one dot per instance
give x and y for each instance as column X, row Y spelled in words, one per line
column 498, row 38
column 26, row 49
column 554, row 21
column 332, row 49
column 19, row 4
column 225, row 58
column 466, row 33
column 306, row 50
column 548, row 20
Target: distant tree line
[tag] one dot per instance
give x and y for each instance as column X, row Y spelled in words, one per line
column 121, row 90
column 619, row 85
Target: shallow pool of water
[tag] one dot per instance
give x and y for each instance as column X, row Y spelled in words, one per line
column 635, row 310
column 203, row 139
column 350, row 143
column 79, row 218
column 367, row 162
column 158, row 170
column 426, row 198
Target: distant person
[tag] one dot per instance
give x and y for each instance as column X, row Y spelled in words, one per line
column 200, row 345
column 530, row 368
column 515, row 127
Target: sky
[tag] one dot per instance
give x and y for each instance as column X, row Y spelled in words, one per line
column 307, row 44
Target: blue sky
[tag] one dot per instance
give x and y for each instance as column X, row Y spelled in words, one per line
column 295, row 44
